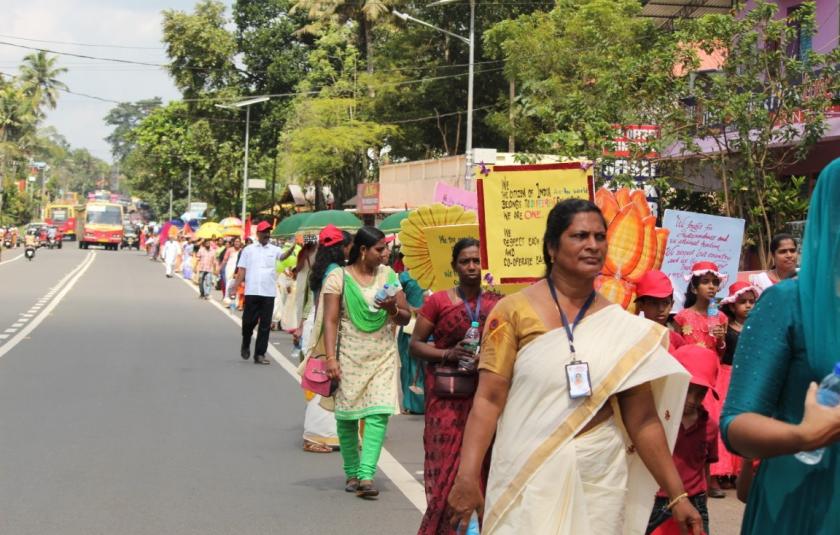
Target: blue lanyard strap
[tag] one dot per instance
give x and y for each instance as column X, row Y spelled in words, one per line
column 473, row 315
column 570, row 329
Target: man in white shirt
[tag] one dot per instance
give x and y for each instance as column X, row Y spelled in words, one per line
column 170, row 254
column 257, row 266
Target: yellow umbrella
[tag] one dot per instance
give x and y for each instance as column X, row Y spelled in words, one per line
column 209, row 230
column 233, row 232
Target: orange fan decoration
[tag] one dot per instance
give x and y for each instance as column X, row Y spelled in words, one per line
column 635, row 244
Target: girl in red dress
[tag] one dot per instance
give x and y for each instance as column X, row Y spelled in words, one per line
column 697, row 327
column 736, row 306
column 693, row 322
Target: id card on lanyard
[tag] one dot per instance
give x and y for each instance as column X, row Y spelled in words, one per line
column 577, row 371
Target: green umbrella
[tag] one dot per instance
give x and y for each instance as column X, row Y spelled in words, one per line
column 391, row 224
column 339, row 218
column 290, row 225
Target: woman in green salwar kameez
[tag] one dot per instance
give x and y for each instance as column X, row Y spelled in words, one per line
column 411, row 370
column 361, row 352
column 789, row 343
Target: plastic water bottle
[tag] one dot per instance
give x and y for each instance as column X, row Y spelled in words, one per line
column 472, row 342
column 392, row 290
column 713, row 312
column 380, row 296
column 829, row 396
column 472, row 527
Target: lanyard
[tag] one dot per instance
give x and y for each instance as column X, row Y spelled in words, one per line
column 470, row 314
column 570, row 330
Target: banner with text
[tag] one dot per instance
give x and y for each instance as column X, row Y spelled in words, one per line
column 697, row 238
column 514, row 202
column 440, row 241
column 367, row 198
column 451, row 196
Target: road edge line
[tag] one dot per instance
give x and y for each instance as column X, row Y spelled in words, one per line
column 66, row 283
column 18, row 257
column 399, row 475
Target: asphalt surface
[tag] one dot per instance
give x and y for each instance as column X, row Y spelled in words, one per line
column 126, row 409
column 129, row 411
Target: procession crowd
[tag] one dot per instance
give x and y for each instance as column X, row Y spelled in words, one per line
column 573, row 415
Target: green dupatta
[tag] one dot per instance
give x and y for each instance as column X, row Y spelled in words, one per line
column 358, row 307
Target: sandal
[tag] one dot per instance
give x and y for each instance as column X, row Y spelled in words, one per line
column 367, row 490
column 351, row 485
column 314, row 447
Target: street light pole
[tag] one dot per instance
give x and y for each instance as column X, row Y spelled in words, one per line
column 245, row 172
column 468, row 149
column 468, row 178
column 247, row 105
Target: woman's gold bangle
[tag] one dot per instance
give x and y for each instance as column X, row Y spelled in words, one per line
column 676, row 500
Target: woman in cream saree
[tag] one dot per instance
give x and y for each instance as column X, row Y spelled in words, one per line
column 564, row 465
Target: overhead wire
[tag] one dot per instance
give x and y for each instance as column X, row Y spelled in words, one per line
column 73, row 43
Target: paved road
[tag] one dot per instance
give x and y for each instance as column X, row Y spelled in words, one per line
column 127, row 410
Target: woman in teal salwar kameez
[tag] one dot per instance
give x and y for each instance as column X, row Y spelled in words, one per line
column 411, row 370
column 789, row 342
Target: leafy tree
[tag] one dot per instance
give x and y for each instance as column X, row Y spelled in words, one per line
column 39, row 79
column 331, row 138
column 363, row 13
column 581, row 69
column 421, row 78
column 124, row 117
column 762, row 112
column 200, row 49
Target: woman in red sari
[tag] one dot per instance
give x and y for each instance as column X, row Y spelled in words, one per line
column 445, row 317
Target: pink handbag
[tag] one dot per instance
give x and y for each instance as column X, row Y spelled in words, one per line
column 315, row 378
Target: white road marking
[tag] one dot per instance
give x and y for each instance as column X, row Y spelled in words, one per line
column 9, row 261
column 412, row 489
column 10, row 331
column 17, row 325
column 3, row 336
column 26, row 315
column 66, row 284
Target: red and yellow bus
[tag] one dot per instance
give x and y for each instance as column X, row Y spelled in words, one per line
column 100, row 223
column 63, row 216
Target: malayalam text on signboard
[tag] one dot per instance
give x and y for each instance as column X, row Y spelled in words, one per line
column 368, row 198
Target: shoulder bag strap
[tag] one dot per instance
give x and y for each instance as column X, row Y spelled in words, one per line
column 340, row 309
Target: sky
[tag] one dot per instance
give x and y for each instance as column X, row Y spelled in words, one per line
column 116, row 23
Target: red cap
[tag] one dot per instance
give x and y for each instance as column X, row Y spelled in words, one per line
column 654, row 283
column 701, row 363
column 330, row 235
column 263, row 226
column 701, row 268
column 739, row 288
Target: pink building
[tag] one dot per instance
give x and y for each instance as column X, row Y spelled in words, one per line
column 828, row 15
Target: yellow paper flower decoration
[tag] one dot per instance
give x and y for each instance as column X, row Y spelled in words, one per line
column 413, row 242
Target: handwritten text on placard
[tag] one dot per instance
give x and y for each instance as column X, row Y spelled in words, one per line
column 701, row 237
column 515, row 206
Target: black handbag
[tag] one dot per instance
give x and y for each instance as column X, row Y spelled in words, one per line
column 452, row 382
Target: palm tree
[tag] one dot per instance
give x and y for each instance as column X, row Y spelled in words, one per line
column 39, row 77
column 18, row 118
column 363, row 12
